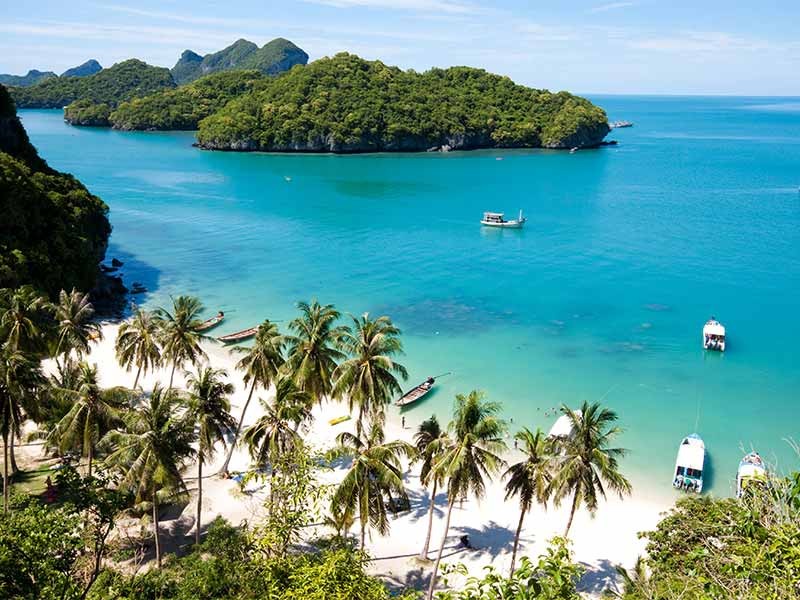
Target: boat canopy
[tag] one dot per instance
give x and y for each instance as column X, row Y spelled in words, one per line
column 691, row 453
column 493, row 215
column 714, row 328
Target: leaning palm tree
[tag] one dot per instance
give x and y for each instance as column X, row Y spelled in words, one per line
column 152, row 452
column 179, row 333
column 137, row 344
column 313, row 352
column 74, row 325
column 369, row 377
column 431, row 441
column 529, row 479
column 472, row 456
column 93, row 413
column 20, row 376
column 210, row 410
column 24, row 320
column 374, row 477
column 261, row 364
column 588, row 464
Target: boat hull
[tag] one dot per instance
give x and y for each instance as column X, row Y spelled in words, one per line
column 507, row 225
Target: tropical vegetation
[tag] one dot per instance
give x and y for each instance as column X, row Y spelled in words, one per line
column 348, row 104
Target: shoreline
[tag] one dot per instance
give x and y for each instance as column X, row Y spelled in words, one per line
column 598, row 544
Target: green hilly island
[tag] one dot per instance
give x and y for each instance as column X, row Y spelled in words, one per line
column 348, row 104
column 184, row 107
column 54, row 231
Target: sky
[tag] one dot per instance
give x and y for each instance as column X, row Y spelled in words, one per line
column 584, row 46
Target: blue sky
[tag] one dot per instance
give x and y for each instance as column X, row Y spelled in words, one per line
column 588, row 46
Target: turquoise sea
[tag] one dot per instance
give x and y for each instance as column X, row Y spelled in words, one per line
column 603, row 295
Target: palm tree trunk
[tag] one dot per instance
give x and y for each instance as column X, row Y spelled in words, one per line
column 172, row 375
column 363, row 531
column 11, row 457
column 136, row 381
column 199, row 499
column 155, row 529
column 516, row 542
column 91, row 456
column 5, row 473
column 224, row 468
column 424, row 553
column 441, row 547
column 571, row 513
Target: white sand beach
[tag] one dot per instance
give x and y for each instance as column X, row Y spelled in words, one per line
column 599, row 544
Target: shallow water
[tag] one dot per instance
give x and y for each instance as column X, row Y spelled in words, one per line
column 603, row 295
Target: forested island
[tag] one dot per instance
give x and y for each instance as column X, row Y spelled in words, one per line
column 53, row 232
column 348, row 104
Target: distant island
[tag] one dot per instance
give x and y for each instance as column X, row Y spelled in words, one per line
column 90, row 67
column 348, row 104
column 34, row 76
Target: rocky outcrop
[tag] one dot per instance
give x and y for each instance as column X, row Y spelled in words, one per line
column 32, row 77
column 90, row 67
column 588, row 136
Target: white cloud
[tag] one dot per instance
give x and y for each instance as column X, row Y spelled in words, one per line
column 535, row 32
column 447, row 6
column 699, row 42
column 611, row 6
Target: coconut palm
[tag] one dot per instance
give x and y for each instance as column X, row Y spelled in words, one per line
column 74, row 326
column 179, row 333
column 210, row 410
column 529, row 480
column 20, row 375
column 430, row 440
column 588, row 464
column 374, row 477
column 24, row 320
column 152, row 452
column 369, row 377
column 137, row 344
column 261, row 364
column 472, row 456
column 94, row 412
column 313, row 352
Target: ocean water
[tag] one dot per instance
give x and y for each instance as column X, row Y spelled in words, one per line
column 627, row 251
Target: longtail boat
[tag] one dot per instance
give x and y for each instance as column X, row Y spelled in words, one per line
column 418, row 392
column 212, row 322
column 244, row 334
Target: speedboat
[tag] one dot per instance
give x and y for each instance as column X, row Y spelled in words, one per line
column 714, row 335
column 689, row 464
column 492, row 219
column 751, row 472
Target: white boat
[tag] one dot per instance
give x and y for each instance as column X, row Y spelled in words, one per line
column 492, row 219
column 562, row 428
column 751, row 471
column 714, row 335
column 689, row 464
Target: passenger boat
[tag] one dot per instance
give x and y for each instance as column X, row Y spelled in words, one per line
column 751, row 472
column 212, row 322
column 244, row 334
column 689, row 464
column 492, row 219
column 714, row 335
column 562, row 428
column 620, row 124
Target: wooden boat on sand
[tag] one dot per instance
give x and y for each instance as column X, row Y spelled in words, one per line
column 418, row 392
column 244, row 334
column 212, row 322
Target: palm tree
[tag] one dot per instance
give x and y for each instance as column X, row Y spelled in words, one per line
column 137, row 344
column 530, row 478
column 94, row 412
column 313, row 352
column 20, row 375
column 430, row 440
column 369, row 377
column 587, row 463
column 74, row 326
column 179, row 335
column 261, row 365
column 152, row 451
column 374, row 477
column 24, row 320
column 472, row 456
column 210, row 410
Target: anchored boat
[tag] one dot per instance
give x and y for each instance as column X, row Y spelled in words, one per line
column 714, row 335
column 418, row 392
column 244, row 334
column 751, row 472
column 689, row 464
column 493, row 219
column 212, row 322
